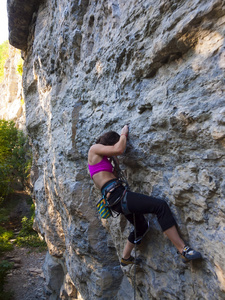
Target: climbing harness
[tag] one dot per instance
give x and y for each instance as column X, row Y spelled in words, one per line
column 103, row 206
column 122, row 178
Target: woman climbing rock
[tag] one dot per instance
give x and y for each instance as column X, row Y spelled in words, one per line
column 132, row 205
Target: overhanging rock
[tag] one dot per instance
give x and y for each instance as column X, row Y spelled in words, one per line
column 20, row 14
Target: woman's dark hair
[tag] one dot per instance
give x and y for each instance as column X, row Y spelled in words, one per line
column 109, row 138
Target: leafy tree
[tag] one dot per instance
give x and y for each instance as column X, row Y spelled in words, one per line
column 4, row 54
column 15, row 158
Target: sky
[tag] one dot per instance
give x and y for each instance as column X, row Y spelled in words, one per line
column 3, row 21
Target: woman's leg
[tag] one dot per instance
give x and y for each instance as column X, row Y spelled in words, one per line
column 174, row 237
column 141, row 229
column 171, row 233
column 142, row 204
column 147, row 204
column 127, row 249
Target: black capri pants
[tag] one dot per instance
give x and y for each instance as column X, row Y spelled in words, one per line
column 140, row 204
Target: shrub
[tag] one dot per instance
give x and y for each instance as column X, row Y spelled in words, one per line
column 27, row 227
column 29, row 237
column 5, row 236
column 15, row 157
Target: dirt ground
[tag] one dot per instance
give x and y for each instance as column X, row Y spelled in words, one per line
column 26, row 279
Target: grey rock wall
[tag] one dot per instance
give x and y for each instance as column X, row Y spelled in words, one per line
column 92, row 66
column 20, row 14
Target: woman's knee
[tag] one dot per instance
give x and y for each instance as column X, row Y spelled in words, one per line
column 163, row 210
column 162, row 205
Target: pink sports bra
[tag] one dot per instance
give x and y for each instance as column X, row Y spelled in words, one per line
column 103, row 165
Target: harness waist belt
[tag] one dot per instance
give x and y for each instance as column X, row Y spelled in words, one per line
column 123, row 198
column 110, row 187
column 118, row 199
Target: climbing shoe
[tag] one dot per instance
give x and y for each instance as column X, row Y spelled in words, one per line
column 139, row 238
column 130, row 261
column 189, row 254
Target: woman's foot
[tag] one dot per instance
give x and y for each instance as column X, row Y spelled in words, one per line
column 189, row 254
column 130, row 261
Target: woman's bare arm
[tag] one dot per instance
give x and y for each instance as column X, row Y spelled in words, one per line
column 97, row 151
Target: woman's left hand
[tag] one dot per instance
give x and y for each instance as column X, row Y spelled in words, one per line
column 125, row 130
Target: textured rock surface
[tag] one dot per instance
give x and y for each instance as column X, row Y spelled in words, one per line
column 11, row 102
column 91, row 66
column 20, row 14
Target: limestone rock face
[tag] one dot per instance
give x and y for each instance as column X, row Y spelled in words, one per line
column 92, row 66
column 20, row 14
column 11, row 101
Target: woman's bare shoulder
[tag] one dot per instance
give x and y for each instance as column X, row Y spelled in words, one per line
column 93, row 155
column 95, row 148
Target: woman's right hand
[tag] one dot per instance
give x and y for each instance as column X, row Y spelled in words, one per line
column 125, row 130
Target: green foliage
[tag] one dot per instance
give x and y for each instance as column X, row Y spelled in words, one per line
column 20, row 67
column 8, row 138
column 5, row 245
column 27, row 227
column 4, row 54
column 32, row 241
column 4, row 215
column 27, row 236
column 5, row 236
column 5, row 267
column 6, row 207
column 15, row 157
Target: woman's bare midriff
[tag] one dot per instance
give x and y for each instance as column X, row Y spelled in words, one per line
column 101, row 178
